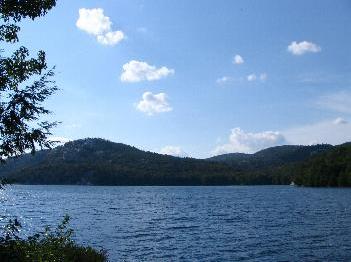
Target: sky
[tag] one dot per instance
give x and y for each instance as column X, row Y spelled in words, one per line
column 199, row 78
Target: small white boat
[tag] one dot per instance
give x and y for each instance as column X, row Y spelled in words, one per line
column 292, row 183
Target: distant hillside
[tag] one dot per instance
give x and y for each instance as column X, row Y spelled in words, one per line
column 331, row 168
column 276, row 164
column 101, row 162
column 271, row 157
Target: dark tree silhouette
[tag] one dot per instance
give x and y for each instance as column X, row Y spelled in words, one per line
column 25, row 83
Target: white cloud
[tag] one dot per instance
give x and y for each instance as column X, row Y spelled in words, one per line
column 340, row 121
column 251, row 77
column 328, row 131
column 335, row 131
column 152, row 104
column 238, row 60
column 242, row 142
column 303, row 47
column 136, row 71
column 338, row 102
column 94, row 22
column 263, row 77
column 223, row 80
column 110, row 38
column 173, row 151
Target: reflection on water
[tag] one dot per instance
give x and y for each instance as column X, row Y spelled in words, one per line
column 262, row 223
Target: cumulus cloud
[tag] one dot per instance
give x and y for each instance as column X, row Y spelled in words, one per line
column 242, row 142
column 303, row 47
column 110, row 38
column 251, row 77
column 338, row 102
column 152, row 104
column 136, row 71
column 238, row 60
column 332, row 131
column 173, row 151
column 94, row 22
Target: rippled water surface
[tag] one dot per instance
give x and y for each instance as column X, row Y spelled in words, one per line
column 255, row 223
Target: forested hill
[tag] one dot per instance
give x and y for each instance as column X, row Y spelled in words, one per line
column 331, row 168
column 101, row 162
column 271, row 157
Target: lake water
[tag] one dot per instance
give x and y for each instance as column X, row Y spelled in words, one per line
column 239, row 223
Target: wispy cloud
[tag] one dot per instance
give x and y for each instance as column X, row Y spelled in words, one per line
column 338, row 102
column 173, row 151
column 136, row 71
column 335, row 131
column 224, row 79
column 303, row 47
column 94, row 22
column 263, row 77
column 154, row 103
column 340, row 121
column 251, row 77
column 142, row 30
column 317, row 78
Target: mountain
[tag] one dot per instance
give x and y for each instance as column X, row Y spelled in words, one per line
column 101, row 162
column 331, row 168
column 276, row 165
column 95, row 161
column 271, row 157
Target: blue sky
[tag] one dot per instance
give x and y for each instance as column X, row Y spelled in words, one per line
column 161, row 75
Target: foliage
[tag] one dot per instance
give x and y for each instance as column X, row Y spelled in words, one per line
column 101, row 162
column 276, row 165
column 271, row 157
column 21, row 110
column 332, row 168
column 12, row 11
column 25, row 83
column 48, row 245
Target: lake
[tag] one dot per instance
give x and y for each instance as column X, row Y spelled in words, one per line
column 234, row 223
